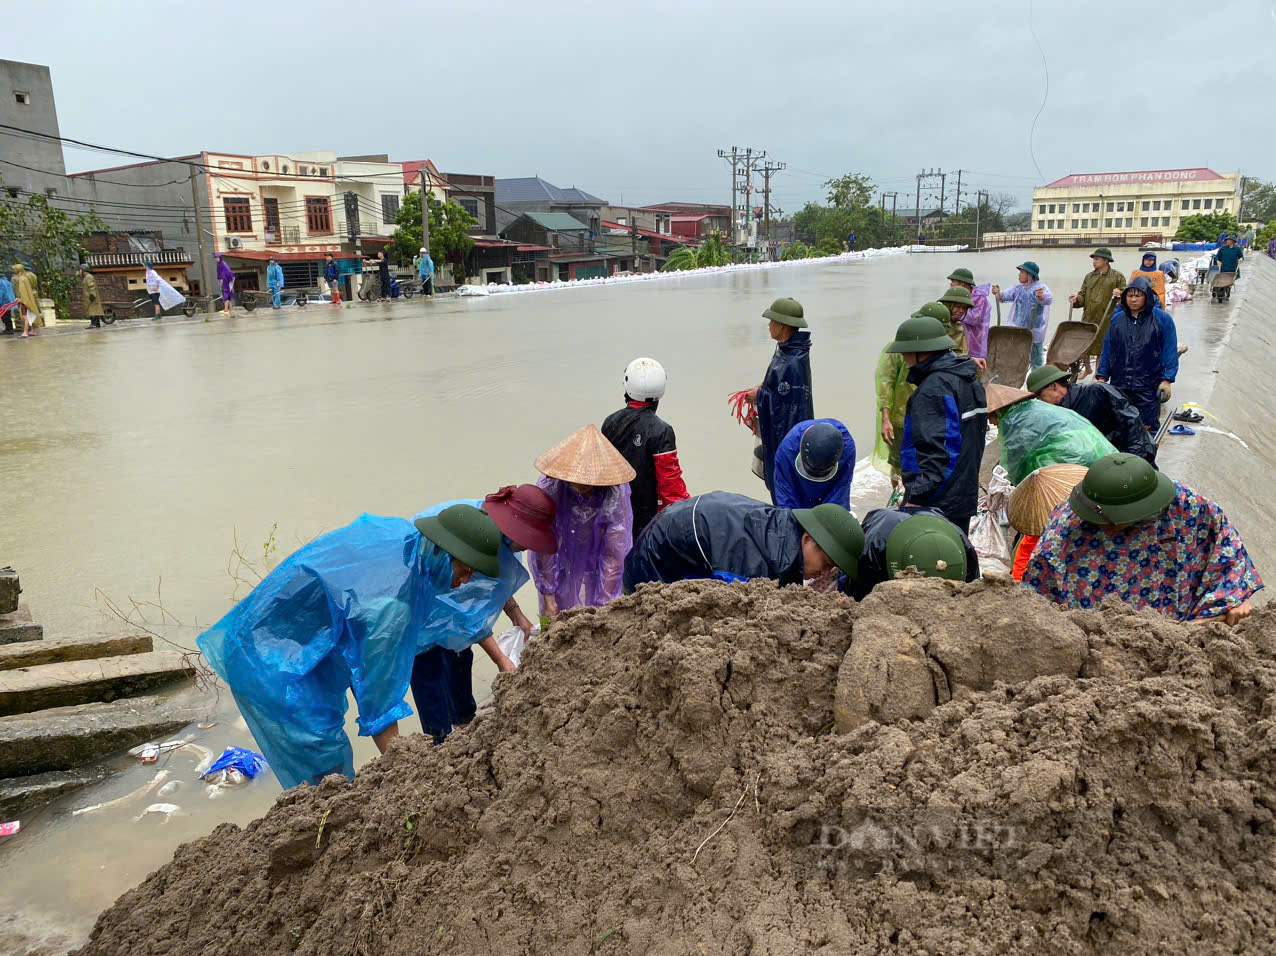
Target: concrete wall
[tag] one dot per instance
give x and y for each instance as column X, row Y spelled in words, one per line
column 1232, row 380
column 164, row 205
column 39, row 114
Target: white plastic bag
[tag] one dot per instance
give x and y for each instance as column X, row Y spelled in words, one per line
column 986, row 534
column 513, row 641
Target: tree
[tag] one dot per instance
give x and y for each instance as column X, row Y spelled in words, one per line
column 1020, row 221
column 1206, row 228
column 711, row 253
column 1002, row 203
column 1267, row 234
column 52, row 241
column 852, row 191
column 1260, row 201
column 796, row 250
column 449, row 232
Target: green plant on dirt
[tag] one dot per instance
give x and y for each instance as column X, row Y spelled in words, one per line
column 830, row 246
column 1206, row 228
column 796, row 250
column 50, row 241
column 450, row 239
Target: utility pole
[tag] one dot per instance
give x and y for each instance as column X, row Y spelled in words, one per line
column 425, row 210
column 1240, row 210
column 932, row 174
column 981, row 197
column 205, row 274
column 633, row 240
column 738, row 156
column 957, row 204
column 767, row 170
column 894, row 197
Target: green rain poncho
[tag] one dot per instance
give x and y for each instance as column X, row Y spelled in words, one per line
column 1035, row 433
column 893, row 392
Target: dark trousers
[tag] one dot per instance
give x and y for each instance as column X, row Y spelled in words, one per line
column 443, row 690
column 427, row 287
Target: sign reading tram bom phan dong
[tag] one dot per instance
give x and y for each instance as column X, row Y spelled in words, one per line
column 1123, row 179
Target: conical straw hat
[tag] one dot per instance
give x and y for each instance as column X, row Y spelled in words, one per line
column 999, row 396
column 586, row 458
column 1037, row 495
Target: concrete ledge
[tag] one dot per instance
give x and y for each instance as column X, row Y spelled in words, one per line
column 23, row 795
column 10, row 588
column 28, row 689
column 31, row 653
column 16, row 626
column 66, row 737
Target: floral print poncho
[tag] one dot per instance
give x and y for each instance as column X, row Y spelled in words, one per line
column 1187, row 563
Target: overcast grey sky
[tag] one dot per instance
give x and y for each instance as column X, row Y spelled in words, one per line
column 631, row 100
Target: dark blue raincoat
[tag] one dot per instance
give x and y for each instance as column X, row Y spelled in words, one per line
column 784, row 398
column 1140, row 352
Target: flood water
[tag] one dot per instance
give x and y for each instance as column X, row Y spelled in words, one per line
column 132, row 459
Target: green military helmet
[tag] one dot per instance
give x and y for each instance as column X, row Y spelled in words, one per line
column 1103, row 252
column 924, row 332
column 1121, row 489
column 837, row 532
column 786, row 311
column 1039, row 378
column 962, row 275
column 958, row 295
column 930, row 544
column 468, row 535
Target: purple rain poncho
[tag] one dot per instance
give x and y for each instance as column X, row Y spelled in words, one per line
column 226, row 277
column 595, row 533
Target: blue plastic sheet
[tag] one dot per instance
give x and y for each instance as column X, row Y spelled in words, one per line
column 248, row 762
column 346, row 612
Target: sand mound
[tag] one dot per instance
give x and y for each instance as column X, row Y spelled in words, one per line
column 1120, row 801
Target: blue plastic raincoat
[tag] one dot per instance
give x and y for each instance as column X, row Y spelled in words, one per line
column 794, row 491
column 349, row 611
column 1140, row 352
column 274, row 282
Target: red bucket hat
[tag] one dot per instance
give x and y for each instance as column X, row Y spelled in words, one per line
column 525, row 515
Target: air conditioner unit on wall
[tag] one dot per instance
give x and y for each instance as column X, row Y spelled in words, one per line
column 234, row 242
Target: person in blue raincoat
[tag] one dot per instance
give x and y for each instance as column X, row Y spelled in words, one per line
column 274, row 282
column 425, row 272
column 8, row 303
column 784, row 397
column 1032, row 299
column 1141, row 355
column 814, row 465
column 442, row 678
column 349, row 611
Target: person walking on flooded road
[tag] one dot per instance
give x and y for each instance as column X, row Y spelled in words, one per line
column 227, row 279
column 784, row 398
column 274, row 282
column 24, row 289
column 92, row 300
column 1031, row 299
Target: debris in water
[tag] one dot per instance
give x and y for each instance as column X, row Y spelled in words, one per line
column 159, row 778
column 10, row 829
column 167, row 809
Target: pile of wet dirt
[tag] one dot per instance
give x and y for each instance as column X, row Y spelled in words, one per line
column 713, row 769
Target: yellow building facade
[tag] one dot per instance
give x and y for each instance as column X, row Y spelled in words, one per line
column 1149, row 201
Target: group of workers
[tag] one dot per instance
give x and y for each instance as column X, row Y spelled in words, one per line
column 388, row 605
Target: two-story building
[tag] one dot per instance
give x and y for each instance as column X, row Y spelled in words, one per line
column 531, row 194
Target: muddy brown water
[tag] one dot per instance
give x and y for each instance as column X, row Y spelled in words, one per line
column 133, row 458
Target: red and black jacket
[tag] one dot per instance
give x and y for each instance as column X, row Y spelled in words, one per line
column 647, row 442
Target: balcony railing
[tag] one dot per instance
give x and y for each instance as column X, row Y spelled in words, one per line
column 165, row 257
column 283, row 235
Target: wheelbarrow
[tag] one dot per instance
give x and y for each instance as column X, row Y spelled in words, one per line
column 1071, row 345
column 1009, row 352
column 1221, row 285
column 251, row 298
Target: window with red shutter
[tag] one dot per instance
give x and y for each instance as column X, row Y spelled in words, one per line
column 239, row 217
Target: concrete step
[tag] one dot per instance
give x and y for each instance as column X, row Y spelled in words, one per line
column 21, row 796
column 16, row 626
column 10, row 588
column 31, row 653
column 62, row 738
column 28, row 689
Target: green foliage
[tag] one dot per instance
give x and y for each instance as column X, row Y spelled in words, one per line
column 796, row 250
column 1267, row 234
column 1206, row 228
column 852, row 191
column 449, row 233
column 962, row 226
column 831, row 246
column 1260, row 201
column 51, row 240
column 1020, row 221
column 711, row 253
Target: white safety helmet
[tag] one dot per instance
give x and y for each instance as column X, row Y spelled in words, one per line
column 645, row 380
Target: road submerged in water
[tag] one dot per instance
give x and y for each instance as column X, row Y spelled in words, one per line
column 139, row 455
